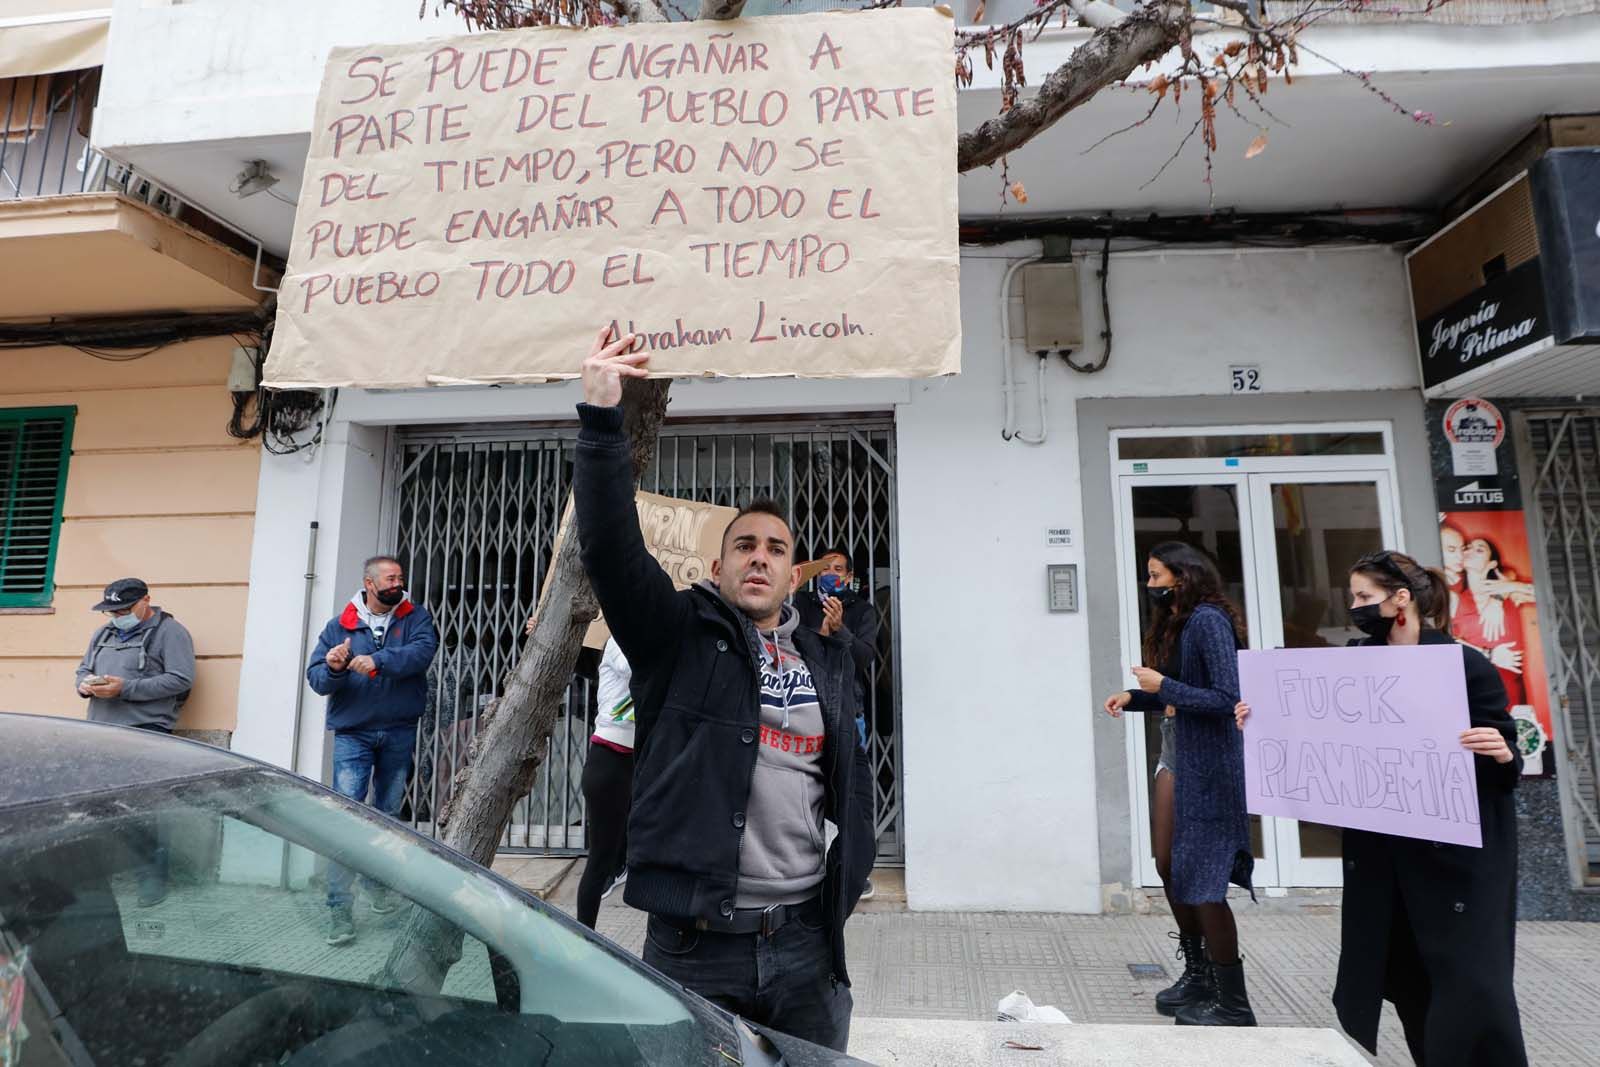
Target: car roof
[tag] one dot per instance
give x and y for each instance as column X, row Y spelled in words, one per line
column 43, row 758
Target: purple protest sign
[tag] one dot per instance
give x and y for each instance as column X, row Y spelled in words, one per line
column 1367, row 738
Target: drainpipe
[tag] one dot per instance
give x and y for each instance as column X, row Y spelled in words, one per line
column 300, row 689
column 305, row 639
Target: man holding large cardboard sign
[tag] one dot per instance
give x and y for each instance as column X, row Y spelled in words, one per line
column 763, row 197
column 746, row 744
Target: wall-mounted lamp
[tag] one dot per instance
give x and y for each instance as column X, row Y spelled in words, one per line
column 255, row 178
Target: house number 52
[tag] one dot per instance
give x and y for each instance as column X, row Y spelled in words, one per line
column 1246, row 379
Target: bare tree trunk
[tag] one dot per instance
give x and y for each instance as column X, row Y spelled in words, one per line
column 512, row 735
column 510, row 745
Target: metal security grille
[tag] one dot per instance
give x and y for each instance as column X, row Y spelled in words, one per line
column 1565, row 449
column 476, row 518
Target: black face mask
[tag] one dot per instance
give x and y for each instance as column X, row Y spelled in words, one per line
column 390, row 597
column 1161, row 596
column 1370, row 620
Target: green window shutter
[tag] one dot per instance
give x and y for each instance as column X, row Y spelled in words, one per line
column 35, row 445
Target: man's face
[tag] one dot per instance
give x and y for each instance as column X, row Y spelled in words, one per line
column 756, row 571
column 1450, row 544
column 385, row 576
column 838, row 566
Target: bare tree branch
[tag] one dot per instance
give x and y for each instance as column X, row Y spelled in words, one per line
column 721, row 10
column 1108, row 57
column 1097, row 14
column 639, row 10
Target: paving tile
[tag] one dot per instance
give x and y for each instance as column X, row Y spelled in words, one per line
column 1115, row 947
column 1010, row 948
column 940, row 946
column 1562, row 1046
column 1113, row 995
column 1019, row 920
column 924, row 992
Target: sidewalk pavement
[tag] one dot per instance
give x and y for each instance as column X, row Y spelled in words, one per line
column 1096, row 968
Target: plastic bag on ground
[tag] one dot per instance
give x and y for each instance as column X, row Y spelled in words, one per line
column 1017, row 1007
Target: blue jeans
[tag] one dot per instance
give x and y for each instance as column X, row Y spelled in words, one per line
column 151, row 839
column 378, row 760
column 785, row 981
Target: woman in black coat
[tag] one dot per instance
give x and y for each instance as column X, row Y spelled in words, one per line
column 1202, row 831
column 1432, row 926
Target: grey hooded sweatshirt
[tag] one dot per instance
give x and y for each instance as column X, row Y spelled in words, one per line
column 782, row 858
column 155, row 661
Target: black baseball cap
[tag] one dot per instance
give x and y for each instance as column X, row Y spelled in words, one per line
column 123, row 593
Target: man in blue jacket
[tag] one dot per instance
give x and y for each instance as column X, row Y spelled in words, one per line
column 372, row 664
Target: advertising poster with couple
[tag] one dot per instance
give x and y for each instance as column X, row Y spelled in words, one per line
column 1488, row 562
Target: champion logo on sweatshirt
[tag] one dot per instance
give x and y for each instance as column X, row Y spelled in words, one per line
column 786, row 683
column 783, row 741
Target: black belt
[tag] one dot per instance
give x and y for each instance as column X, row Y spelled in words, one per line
column 764, row 921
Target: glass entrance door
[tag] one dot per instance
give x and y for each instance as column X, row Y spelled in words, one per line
column 1210, row 514
column 1308, row 530
column 1284, row 535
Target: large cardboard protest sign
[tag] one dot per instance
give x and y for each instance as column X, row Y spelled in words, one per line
column 684, row 536
column 1367, row 738
column 762, row 197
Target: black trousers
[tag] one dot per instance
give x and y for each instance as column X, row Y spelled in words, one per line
column 608, row 794
column 784, row 981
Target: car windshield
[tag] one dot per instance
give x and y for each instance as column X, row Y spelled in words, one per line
column 234, row 965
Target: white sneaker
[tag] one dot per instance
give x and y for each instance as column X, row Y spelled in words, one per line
column 866, row 894
column 622, row 876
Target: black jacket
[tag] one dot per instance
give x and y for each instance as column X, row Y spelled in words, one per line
column 860, row 632
column 1457, row 905
column 696, row 689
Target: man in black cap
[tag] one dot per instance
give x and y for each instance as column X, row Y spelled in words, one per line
column 140, row 665
column 138, row 672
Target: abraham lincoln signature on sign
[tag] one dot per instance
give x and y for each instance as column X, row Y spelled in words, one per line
column 767, row 327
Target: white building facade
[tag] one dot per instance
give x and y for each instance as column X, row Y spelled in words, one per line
column 1261, row 397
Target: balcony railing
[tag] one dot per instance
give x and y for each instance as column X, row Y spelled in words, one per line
column 44, row 143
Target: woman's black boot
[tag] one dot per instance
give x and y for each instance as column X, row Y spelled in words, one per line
column 1194, row 985
column 1229, row 1006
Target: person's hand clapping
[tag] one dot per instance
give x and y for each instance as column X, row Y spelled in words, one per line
column 608, row 363
column 832, row 616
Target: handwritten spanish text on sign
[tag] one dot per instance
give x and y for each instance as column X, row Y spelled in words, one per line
column 763, row 197
column 1367, row 738
column 684, row 536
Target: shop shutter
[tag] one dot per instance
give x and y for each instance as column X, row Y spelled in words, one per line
column 35, row 444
